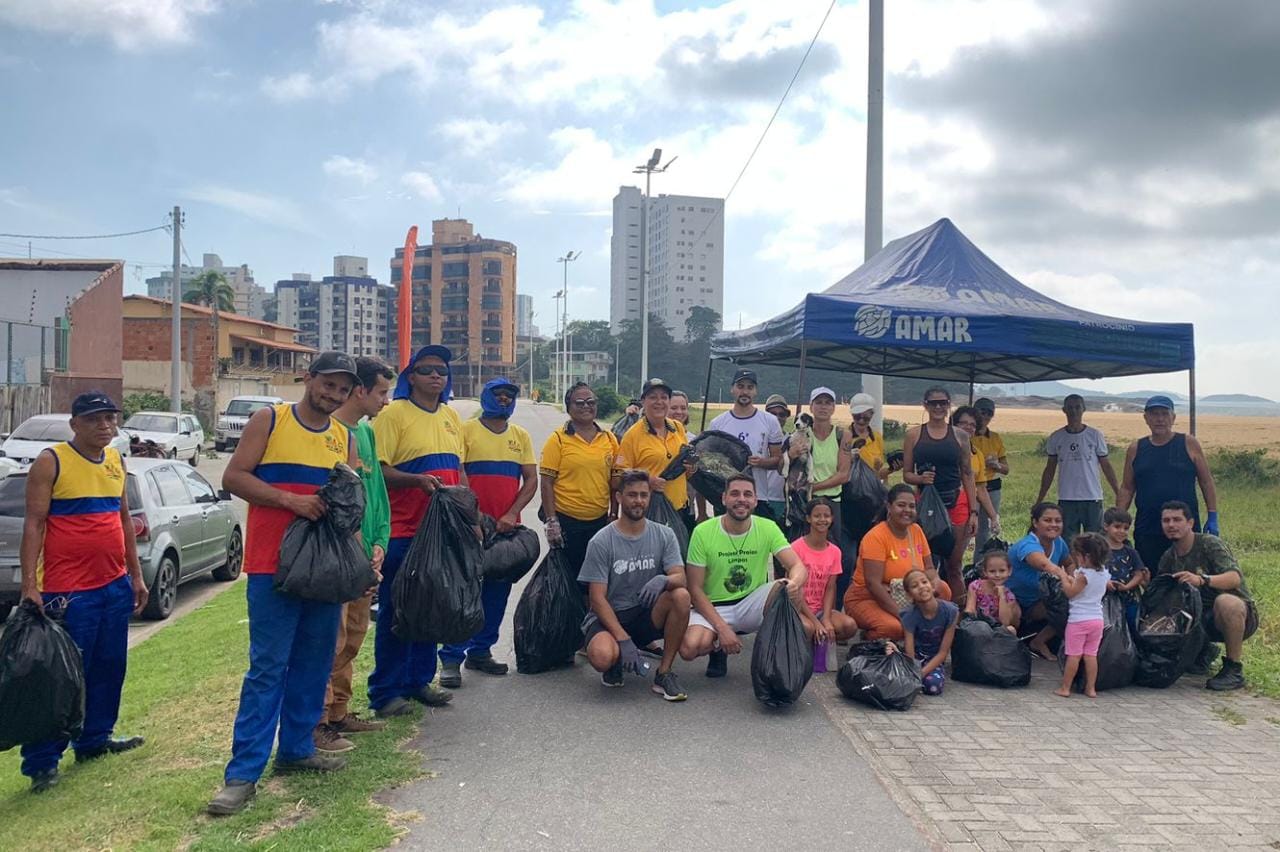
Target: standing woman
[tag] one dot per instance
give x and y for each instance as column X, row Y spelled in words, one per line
column 832, row 459
column 992, row 466
column 936, row 453
column 577, row 464
column 966, row 419
column 1042, row 549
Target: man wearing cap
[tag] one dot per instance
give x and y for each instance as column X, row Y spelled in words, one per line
column 653, row 441
column 762, row 434
column 1079, row 452
column 420, row 447
column 1162, row 467
column 503, row 473
column 285, row 455
column 77, row 517
column 988, row 448
column 776, row 405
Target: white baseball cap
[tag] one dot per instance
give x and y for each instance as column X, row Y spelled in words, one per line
column 817, row 392
column 862, row 403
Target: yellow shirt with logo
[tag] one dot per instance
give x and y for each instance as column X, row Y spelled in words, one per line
column 416, row 440
column 581, row 471
column 495, row 462
column 642, row 449
column 84, row 534
column 990, row 444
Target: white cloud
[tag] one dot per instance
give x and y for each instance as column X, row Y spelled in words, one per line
column 351, row 168
column 423, row 186
column 479, row 135
column 291, row 87
column 130, row 24
column 258, row 206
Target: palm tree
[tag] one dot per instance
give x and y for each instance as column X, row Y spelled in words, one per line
column 210, row 288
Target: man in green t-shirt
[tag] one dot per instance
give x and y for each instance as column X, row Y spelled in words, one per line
column 1205, row 562
column 729, row 567
column 368, row 397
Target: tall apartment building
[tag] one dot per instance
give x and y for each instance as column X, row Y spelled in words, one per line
column 248, row 297
column 685, row 257
column 524, row 317
column 464, row 296
column 348, row 311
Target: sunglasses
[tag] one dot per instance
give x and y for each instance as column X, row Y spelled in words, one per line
column 584, row 403
column 935, row 403
column 507, row 395
column 431, row 370
column 862, row 418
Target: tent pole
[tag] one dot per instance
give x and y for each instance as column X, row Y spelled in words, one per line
column 804, row 350
column 706, row 393
column 1191, row 392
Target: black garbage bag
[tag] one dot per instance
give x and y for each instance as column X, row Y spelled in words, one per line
column 41, row 680
column 548, row 619
column 718, row 455
column 884, row 681
column 675, row 467
column 662, row 512
column 437, row 589
column 864, row 492
column 782, row 659
column 508, row 556
column 623, row 423
column 932, row 515
column 1117, row 655
column 1057, row 605
column 1170, row 632
column 322, row 560
column 984, row 652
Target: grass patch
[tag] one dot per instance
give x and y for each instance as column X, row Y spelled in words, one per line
column 181, row 694
column 1230, row 715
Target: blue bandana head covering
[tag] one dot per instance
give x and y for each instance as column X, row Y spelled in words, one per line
column 403, row 388
column 489, row 405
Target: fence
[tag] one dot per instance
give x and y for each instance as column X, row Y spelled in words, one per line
column 31, row 352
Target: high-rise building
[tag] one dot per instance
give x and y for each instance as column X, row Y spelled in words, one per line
column 344, row 311
column 464, row 296
column 524, row 316
column 685, row 257
column 249, row 295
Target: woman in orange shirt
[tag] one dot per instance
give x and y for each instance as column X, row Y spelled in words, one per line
column 888, row 551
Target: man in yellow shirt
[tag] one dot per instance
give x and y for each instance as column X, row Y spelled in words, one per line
column 989, row 446
column 653, row 442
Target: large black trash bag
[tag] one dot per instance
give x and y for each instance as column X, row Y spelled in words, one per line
column 1117, row 655
column 508, row 556
column 41, row 680
column 933, row 517
column 437, row 589
column 782, row 659
column 675, row 467
column 984, row 652
column 1057, row 605
column 864, row 491
column 661, row 511
column 718, row 455
column 548, row 620
column 885, row 681
column 1170, row 632
column 322, row 560
column 623, row 423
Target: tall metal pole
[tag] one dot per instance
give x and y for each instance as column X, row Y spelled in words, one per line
column 874, row 218
column 175, row 344
column 644, row 280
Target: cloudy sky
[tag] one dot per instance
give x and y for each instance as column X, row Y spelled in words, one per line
column 1120, row 156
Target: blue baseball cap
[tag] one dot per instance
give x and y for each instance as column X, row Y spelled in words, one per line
column 1158, row 401
column 92, row 403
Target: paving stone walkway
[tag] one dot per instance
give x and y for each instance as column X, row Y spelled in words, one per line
column 990, row 769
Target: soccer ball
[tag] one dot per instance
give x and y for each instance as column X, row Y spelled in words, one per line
column 872, row 321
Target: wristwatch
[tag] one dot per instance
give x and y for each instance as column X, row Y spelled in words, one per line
column 1204, row 581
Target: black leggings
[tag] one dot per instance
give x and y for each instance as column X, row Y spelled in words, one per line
column 576, row 535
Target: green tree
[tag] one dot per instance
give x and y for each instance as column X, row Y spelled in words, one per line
column 701, row 324
column 210, row 288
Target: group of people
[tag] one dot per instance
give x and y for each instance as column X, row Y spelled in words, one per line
column 844, row 570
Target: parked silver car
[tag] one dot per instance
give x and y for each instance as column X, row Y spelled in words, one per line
column 41, row 432
column 179, row 436
column 185, row 528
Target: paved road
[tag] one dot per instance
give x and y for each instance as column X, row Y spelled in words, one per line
column 556, row 761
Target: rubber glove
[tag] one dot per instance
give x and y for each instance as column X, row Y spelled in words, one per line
column 629, row 657
column 649, row 591
column 1211, row 525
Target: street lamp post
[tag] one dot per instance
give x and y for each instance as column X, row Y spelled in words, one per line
column 647, row 170
column 563, row 368
column 555, row 378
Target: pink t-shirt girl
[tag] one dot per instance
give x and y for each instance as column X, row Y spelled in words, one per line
column 822, row 565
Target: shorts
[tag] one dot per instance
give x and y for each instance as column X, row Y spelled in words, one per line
column 637, row 621
column 1211, row 631
column 1083, row 638
column 1080, row 516
column 960, row 511
column 742, row 616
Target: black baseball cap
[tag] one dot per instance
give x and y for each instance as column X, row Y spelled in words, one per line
column 745, row 375
column 654, row 384
column 986, row 404
column 334, row 362
column 92, row 403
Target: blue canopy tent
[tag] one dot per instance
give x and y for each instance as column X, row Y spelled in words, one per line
column 931, row 305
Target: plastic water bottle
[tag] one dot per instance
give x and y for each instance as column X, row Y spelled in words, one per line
column 821, row 652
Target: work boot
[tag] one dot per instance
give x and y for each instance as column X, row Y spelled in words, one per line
column 433, row 696
column 1230, row 676
column 43, row 781
column 329, row 741
column 486, row 664
column 1204, row 659
column 353, row 724
column 315, row 763
column 450, row 675
column 394, row 707
column 232, row 798
column 109, row 747
column 717, row 664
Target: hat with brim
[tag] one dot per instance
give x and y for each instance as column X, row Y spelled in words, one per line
column 824, row 391
column 862, row 403
column 328, row 363
column 1158, row 401
column 985, row 404
column 745, row 376
column 92, row 402
column 653, row 385
column 776, row 400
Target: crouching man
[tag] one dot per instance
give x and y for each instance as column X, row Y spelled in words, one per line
column 637, row 591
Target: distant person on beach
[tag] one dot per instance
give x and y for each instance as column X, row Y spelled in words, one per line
column 1081, row 452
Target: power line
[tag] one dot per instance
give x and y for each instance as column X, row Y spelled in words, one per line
column 88, row 237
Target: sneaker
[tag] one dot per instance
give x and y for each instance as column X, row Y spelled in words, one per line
column 486, row 664
column 1204, row 660
column 232, row 798
column 450, row 675
column 329, row 741
column 433, row 696
column 717, row 664
column 666, row 685
column 612, row 677
column 315, row 763
column 1230, row 676
column 110, row 747
column 353, row 724
column 394, row 707
column 43, row 781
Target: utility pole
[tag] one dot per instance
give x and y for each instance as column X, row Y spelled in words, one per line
column 563, row 367
column 175, row 345
column 874, row 217
column 648, row 169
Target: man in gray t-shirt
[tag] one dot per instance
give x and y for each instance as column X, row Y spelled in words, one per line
column 1078, row 453
column 637, row 591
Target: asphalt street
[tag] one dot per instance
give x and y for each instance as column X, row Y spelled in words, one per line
column 557, row 761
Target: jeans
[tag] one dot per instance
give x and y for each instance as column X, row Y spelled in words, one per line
column 493, row 596
column 291, row 645
column 984, row 523
column 400, row 668
column 98, row 622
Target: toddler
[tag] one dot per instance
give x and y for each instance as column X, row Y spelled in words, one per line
column 988, row 595
column 1085, row 587
column 1128, row 574
column 929, row 626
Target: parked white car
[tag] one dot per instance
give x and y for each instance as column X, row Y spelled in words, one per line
column 180, row 436
column 43, row 431
column 232, row 421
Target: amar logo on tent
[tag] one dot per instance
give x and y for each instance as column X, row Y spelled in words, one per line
column 874, row 322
